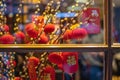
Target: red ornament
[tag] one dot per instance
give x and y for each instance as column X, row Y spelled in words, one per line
column 43, row 39
column 13, row 62
column 32, row 64
column 48, row 72
column 7, row 39
column 31, row 30
column 67, row 35
column 35, row 60
column 55, row 58
column 38, row 20
column 6, row 28
column 20, row 36
column 79, row 33
column 70, row 62
column 60, row 66
column 49, row 28
column 18, row 78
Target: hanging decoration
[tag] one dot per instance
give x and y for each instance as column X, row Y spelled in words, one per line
column 51, row 27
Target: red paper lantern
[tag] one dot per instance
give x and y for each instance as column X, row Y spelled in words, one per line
column 35, row 60
column 67, row 35
column 7, row 39
column 31, row 30
column 79, row 33
column 70, row 62
column 43, row 39
column 60, row 66
column 20, row 36
column 49, row 72
column 49, row 28
column 55, row 58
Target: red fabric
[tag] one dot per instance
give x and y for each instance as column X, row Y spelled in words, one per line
column 49, row 28
column 55, row 58
column 7, row 39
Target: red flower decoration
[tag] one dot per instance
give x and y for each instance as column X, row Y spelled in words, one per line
column 7, row 39
column 43, row 39
column 31, row 30
column 70, row 62
column 20, row 36
column 55, row 58
column 49, row 72
column 79, row 33
column 49, row 28
column 35, row 60
column 67, row 35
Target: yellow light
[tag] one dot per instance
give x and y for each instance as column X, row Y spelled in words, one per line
column 76, row 4
column 37, row 5
column 17, row 14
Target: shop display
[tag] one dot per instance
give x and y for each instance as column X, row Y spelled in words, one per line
column 53, row 26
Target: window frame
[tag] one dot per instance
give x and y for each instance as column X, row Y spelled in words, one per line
column 107, row 47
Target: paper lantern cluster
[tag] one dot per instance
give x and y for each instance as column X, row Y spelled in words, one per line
column 42, row 30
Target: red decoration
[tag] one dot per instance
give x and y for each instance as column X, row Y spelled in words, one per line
column 79, row 33
column 48, row 72
column 60, row 66
column 49, row 28
column 38, row 20
column 20, row 36
column 18, row 78
column 6, row 28
column 55, row 58
column 13, row 62
column 70, row 62
column 43, row 39
column 31, row 30
column 7, row 39
column 67, row 35
column 32, row 63
column 35, row 60
column 91, row 16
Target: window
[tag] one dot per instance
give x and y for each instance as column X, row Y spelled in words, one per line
column 65, row 14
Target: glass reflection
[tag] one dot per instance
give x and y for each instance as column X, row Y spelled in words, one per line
column 51, row 21
column 116, row 20
column 51, row 65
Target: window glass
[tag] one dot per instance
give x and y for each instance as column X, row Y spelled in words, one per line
column 52, row 65
column 51, row 22
column 116, row 20
column 116, row 66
